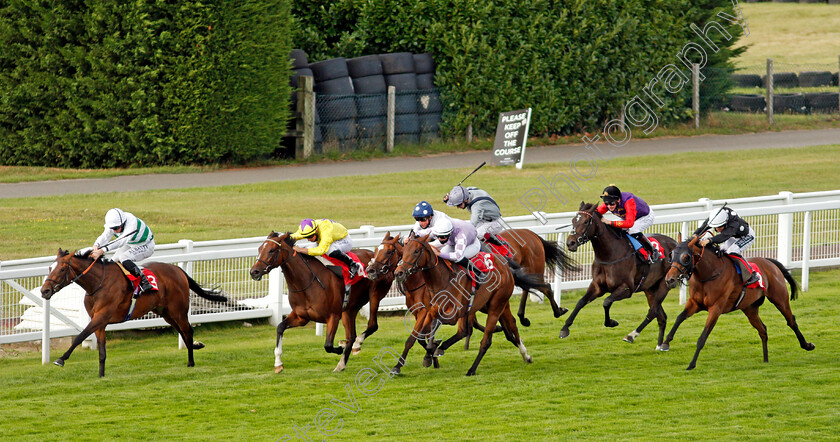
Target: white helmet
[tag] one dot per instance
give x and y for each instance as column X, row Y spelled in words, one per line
column 442, row 228
column 718, row 218
column 114, row 219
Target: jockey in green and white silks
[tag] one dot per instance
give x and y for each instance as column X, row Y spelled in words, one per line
column 134, row 242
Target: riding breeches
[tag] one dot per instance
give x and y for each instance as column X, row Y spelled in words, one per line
column 135, row 252
column 492, row 227
column 470, row 251
column 343, row 245
column 738, row 245
column 641, row 224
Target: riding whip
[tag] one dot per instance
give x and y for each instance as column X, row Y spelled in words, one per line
column 474, row 171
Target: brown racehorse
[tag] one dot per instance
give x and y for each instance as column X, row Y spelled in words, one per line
column 317, row 294
column 108, row 298
column 716, row 286
column 452, row 301
column 617, row 271
column 414, row 288
column 534, row 254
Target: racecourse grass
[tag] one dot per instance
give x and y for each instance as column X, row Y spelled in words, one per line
column 31, row 227
column 589, row 386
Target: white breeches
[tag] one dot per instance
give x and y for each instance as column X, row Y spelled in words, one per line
column 738, row 245
column 641, row 224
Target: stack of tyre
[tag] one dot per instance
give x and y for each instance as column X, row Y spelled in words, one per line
column 428, row 100
column 335, row 104
column 300, row 68
column 371, row 100
column 398, row 70
column 819, row 102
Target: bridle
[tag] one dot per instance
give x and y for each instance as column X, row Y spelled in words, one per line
column 413, row 266
column 583, row 238
column 64, row 282
column 384, row 266
column 269, row 267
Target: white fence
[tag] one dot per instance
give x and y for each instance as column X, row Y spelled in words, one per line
column 800, row 230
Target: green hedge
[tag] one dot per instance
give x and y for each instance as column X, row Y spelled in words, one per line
column 109, row 83
column 576, row 63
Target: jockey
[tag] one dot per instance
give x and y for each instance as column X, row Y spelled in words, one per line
column 426, row 218
column 134, row 242
column 485, row 214
column 636, row 217
column 734, row 236
column 332, row 240
column 459, row 239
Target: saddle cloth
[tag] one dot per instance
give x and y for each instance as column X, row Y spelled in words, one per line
column 754, row 267
column 345, row 271
column 135, row 282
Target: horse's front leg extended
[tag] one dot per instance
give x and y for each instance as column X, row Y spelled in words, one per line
column 97, row 322
column 592, row 292
column 293, row 320
column 100, row 344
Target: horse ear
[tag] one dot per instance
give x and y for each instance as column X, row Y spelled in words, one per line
column 411, row 234
column 582, row 204
column 273, row 234
column 679, row 237
column 388, row 235
column 62, row 252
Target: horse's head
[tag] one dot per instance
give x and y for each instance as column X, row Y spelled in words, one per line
column 682, row 263
column 417, row 255
column 586, row 225
column 61, row 274
column 274, row 251
column 386, row 258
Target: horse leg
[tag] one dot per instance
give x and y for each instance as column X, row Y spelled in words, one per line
column 691, row 308
column 755, row 321
column 591, row 293
column 512, row 334
column 623, row 292
column 655, row 298
column 464, row 328
column 183, row 327
column 100, row 344
column 549, row 294
column 521, row 313
column 372, row 327
column 97, row 322
column 714, row 314
column 492, row 318
column 348, row 319
column 293, row 320
column 784, row 308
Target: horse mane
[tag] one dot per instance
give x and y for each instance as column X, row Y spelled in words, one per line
column 288, row 239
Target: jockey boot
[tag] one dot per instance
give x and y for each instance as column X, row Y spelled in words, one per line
column 353, row 266
column 653, row 254
column 493, row 239
column 747, row 273
column 145, row 285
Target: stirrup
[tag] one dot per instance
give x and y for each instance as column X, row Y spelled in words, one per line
column 754, row 278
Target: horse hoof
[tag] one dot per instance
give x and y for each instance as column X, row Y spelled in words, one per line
column 59, row 362
column 395, row 370
column 198, row 345
column 663, row 347
column 356, row 351
column 809, row 346
column 561, row 311
column 427, row 362
column 525, row 321
column 471, row 373
column 278, row 369
column 530, row 360
column 690, row 367
column 564, row 333
column 611, row 323
column 439, row 353
column 628, row 338
column 338, row 370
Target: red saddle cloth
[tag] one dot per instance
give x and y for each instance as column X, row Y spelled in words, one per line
column 760, row 283
column 135, row 282
column 656, row 245
column 483, row 261
column 345, row 271
column 500, row 250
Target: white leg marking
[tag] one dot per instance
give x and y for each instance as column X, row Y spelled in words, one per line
column 278, row 351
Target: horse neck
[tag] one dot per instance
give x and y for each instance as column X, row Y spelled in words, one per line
column 91, row 281
column 607, row 245
column 436, row 273
column 709, row 263
column 296, row 271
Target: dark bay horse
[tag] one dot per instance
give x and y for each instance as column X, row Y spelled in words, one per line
column 108, row 298
column 414, row 288
column 452, row 301
column 617, row 271
column 534, row 255
column 716, row 286
column 317, row 294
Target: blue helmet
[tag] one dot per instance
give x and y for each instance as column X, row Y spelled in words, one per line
column 422, row 210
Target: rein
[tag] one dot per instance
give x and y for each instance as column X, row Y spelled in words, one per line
column 288, row 258
column 77, row 278
column 583, row 238
column 414, row 267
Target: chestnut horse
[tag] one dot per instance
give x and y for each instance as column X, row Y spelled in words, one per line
column 452, row 301
column 316, row 293
column 716, row 286
column 108, row 298
column 617, row 271
column 534, row 254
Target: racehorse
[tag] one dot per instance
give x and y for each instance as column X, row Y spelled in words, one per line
column 108, row 298
column 453, row 302
column 414, row 288
column 615, row 270
column 534, row 254
column 717, row 287
column 317, row 294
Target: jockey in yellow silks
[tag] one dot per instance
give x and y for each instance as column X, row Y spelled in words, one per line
column 332, row 240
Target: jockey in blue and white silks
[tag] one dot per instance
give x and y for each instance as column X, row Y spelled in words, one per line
column 134, row 242
column 426, row 219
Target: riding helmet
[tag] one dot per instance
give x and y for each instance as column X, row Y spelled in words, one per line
column 611, row 194
column 422, row 210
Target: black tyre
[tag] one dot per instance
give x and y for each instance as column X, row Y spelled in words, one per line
column 371, row 105
column 425, row 81
column 793, row 103
column 814, row 78
column 429, row 123
column 836, row 77
column 374, row 84
column 424, row 64
column 371, row 127
column 402, row 82
column 822, row 102
column 407, row 139
column 299, row 72
column 398, row 63
column 782, row 80
column 364, row 66
column 330, row 69
column 298, row 57
column 405, row 103
column 406, row 124
column 746, row 80
column 747, row 103
column 429, row 102
column 336, row 86
column 335, row 107
column 339, row 130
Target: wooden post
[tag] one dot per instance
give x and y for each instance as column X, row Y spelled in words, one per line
column 695, row 101
column 305, row 123
column 469, row 134
column 392, row 106
column 770, row 90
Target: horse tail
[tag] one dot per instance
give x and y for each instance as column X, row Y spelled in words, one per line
column 526, row 281
column 786, row 273
column 208, row 294
column 555, row 256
